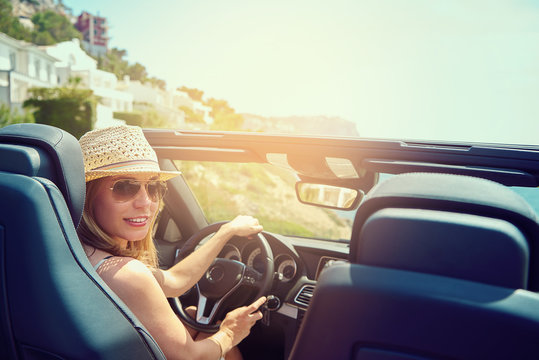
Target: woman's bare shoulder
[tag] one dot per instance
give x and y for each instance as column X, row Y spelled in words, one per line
column 128, row 274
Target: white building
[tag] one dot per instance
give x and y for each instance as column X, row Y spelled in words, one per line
column 167, row 102
column 147, row 96
column 23, row 66
column 181, row 98
column 146, row 93
column 75, row 62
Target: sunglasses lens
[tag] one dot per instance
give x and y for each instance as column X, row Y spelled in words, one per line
column 156, row 190
column 124, row 190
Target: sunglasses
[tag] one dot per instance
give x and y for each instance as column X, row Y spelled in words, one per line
column 126, row 189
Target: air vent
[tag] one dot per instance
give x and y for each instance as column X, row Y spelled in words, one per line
column 304, row 295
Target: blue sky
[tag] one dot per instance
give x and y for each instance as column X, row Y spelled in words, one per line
column 415, row 69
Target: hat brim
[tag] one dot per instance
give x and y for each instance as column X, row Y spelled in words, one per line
column 160, row 175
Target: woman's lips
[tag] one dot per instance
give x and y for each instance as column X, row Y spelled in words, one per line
column 137, row 221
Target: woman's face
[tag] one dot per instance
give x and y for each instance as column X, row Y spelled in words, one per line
column 124, row 220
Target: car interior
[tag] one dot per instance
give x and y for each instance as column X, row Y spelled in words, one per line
column 441, row 263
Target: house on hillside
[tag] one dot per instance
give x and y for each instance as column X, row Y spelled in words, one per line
column 94, row 33
column 23, row 66
column 149, row 97
column 75, row 62
column 182, row 98
column 167, row 102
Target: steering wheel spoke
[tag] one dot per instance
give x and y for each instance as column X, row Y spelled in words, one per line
column 253, row 278
column 201, row 309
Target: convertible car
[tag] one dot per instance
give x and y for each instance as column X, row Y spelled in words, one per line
column 371, row 249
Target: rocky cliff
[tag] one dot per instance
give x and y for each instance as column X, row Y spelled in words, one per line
column 27, row 8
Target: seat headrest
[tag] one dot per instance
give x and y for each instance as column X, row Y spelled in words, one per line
column 45, row 151
column 463, row 246
column 450, row 192
column 450, row 225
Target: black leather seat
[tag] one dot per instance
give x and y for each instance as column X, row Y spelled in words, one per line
column 53, row 303
column 442, row 267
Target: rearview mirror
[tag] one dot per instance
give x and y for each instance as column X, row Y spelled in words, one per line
column 330, row 196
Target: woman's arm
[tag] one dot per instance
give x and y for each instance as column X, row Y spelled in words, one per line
column 135, row 285
column 185, row 274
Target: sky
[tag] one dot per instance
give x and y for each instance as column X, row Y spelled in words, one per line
column 465, row 70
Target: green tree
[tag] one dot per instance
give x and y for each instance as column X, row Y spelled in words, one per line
column 114, row 62
column 152, row 119
column 10, row 25
column 193, row 93
column 135, row 118
column 68, row 108
column 192, row 116
column 8, row 116
column 42, row 38
column 149, row 118
column 57, row 26
column 157, row 82
column 224, row 116
column 137, row 72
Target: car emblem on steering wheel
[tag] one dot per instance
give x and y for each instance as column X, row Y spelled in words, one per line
column 215, row 274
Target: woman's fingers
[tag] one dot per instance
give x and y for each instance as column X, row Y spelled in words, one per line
column 245, row 225
column 256, row 316
column 255, row 305
column 238, row 322
column 252, row 310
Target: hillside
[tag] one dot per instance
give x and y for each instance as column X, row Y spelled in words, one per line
column 225, row 190
column 27, row 8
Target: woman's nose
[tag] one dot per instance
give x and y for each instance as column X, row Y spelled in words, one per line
column 142, row 197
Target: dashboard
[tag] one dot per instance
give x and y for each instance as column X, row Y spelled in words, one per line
column 248, row 252
column 298, row 263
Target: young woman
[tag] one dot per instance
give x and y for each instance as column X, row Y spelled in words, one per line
column 124, row 189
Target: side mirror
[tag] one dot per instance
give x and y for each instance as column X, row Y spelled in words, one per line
column 329, row 196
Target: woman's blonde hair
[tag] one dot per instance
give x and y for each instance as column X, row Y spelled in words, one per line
column 91, row 234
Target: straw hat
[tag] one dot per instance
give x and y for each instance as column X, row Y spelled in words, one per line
column 120, row 150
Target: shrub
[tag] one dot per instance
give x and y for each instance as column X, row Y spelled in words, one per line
column 68, row 108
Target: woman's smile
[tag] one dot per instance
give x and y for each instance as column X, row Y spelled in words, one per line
column 137, row 221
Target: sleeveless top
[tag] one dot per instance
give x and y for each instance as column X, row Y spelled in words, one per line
column 100, row 262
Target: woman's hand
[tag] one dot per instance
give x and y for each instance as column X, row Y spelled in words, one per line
column 185, row 274
column 242, row 225
column 237, row 324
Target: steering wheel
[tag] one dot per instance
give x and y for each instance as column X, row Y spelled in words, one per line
column 222, row 279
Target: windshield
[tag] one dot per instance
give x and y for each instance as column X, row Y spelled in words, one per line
column 267, row 192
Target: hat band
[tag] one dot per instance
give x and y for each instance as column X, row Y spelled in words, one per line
column 149, row 165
